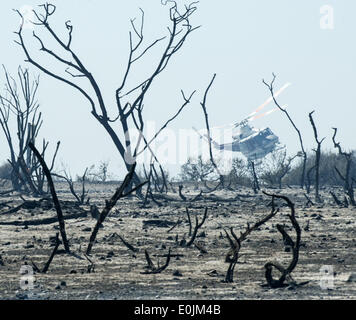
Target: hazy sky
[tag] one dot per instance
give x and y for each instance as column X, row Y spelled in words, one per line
column 242, row 41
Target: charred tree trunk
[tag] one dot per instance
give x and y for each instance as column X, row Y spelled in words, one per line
column 54, row 196
column 346, row 177
column 255, row 183
column 235, row 243
column 288, row 241
column 203, row 105
column 317, row 157
column 27, row 174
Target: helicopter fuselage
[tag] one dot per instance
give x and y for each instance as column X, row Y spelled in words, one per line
column 252, row 143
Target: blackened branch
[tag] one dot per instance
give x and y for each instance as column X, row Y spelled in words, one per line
column 235, row 243
column 152, row 269
column 295, row 245
column 54, row 196
column 271, row 89
column 198, row 225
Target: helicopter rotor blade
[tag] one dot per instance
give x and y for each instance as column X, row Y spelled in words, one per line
column 265, row 113
column 197, row 132
column 252, row 116
column 206, row 137
column 201, row 136
column 269, row 100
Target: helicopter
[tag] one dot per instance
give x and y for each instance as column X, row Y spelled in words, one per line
column 253, row 143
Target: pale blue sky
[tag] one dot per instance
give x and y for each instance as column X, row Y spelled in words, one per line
column 241, row 41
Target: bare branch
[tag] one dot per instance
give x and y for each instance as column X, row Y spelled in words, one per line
column 295, row 246
column 271, row 89
column 198, row 225
column 151, row 266
column 54, row 196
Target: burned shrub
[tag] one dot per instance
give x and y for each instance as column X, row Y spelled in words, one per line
column 197, row 170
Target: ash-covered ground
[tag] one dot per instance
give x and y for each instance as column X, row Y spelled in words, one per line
column 328, row 242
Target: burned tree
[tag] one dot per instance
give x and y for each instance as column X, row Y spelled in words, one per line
column 271, row 89
column 151, row 268
column 203, row 105
column 198, row 225
column 20, row 100
column 102, row 173
column 288, row 241
column 196, row 170
column 129, row 101
column 193, row 233
column 158, row 178
column 255, row 183
column 346, row 177
column 235, row 243
column 182, row 196
column 317, row 157
column 24, row 105
column 152, row 180
column 54, row 196
column 81, row 198
column 277, row 168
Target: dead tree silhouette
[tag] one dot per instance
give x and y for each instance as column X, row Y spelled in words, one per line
column 81, row 198
column 235, row 243
column 20, row 101
column 203, row 105
column 129, row 101
column 288, row 241
column 317, row 157
column 54, row 196
column 271, row 89
column 346, row 177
